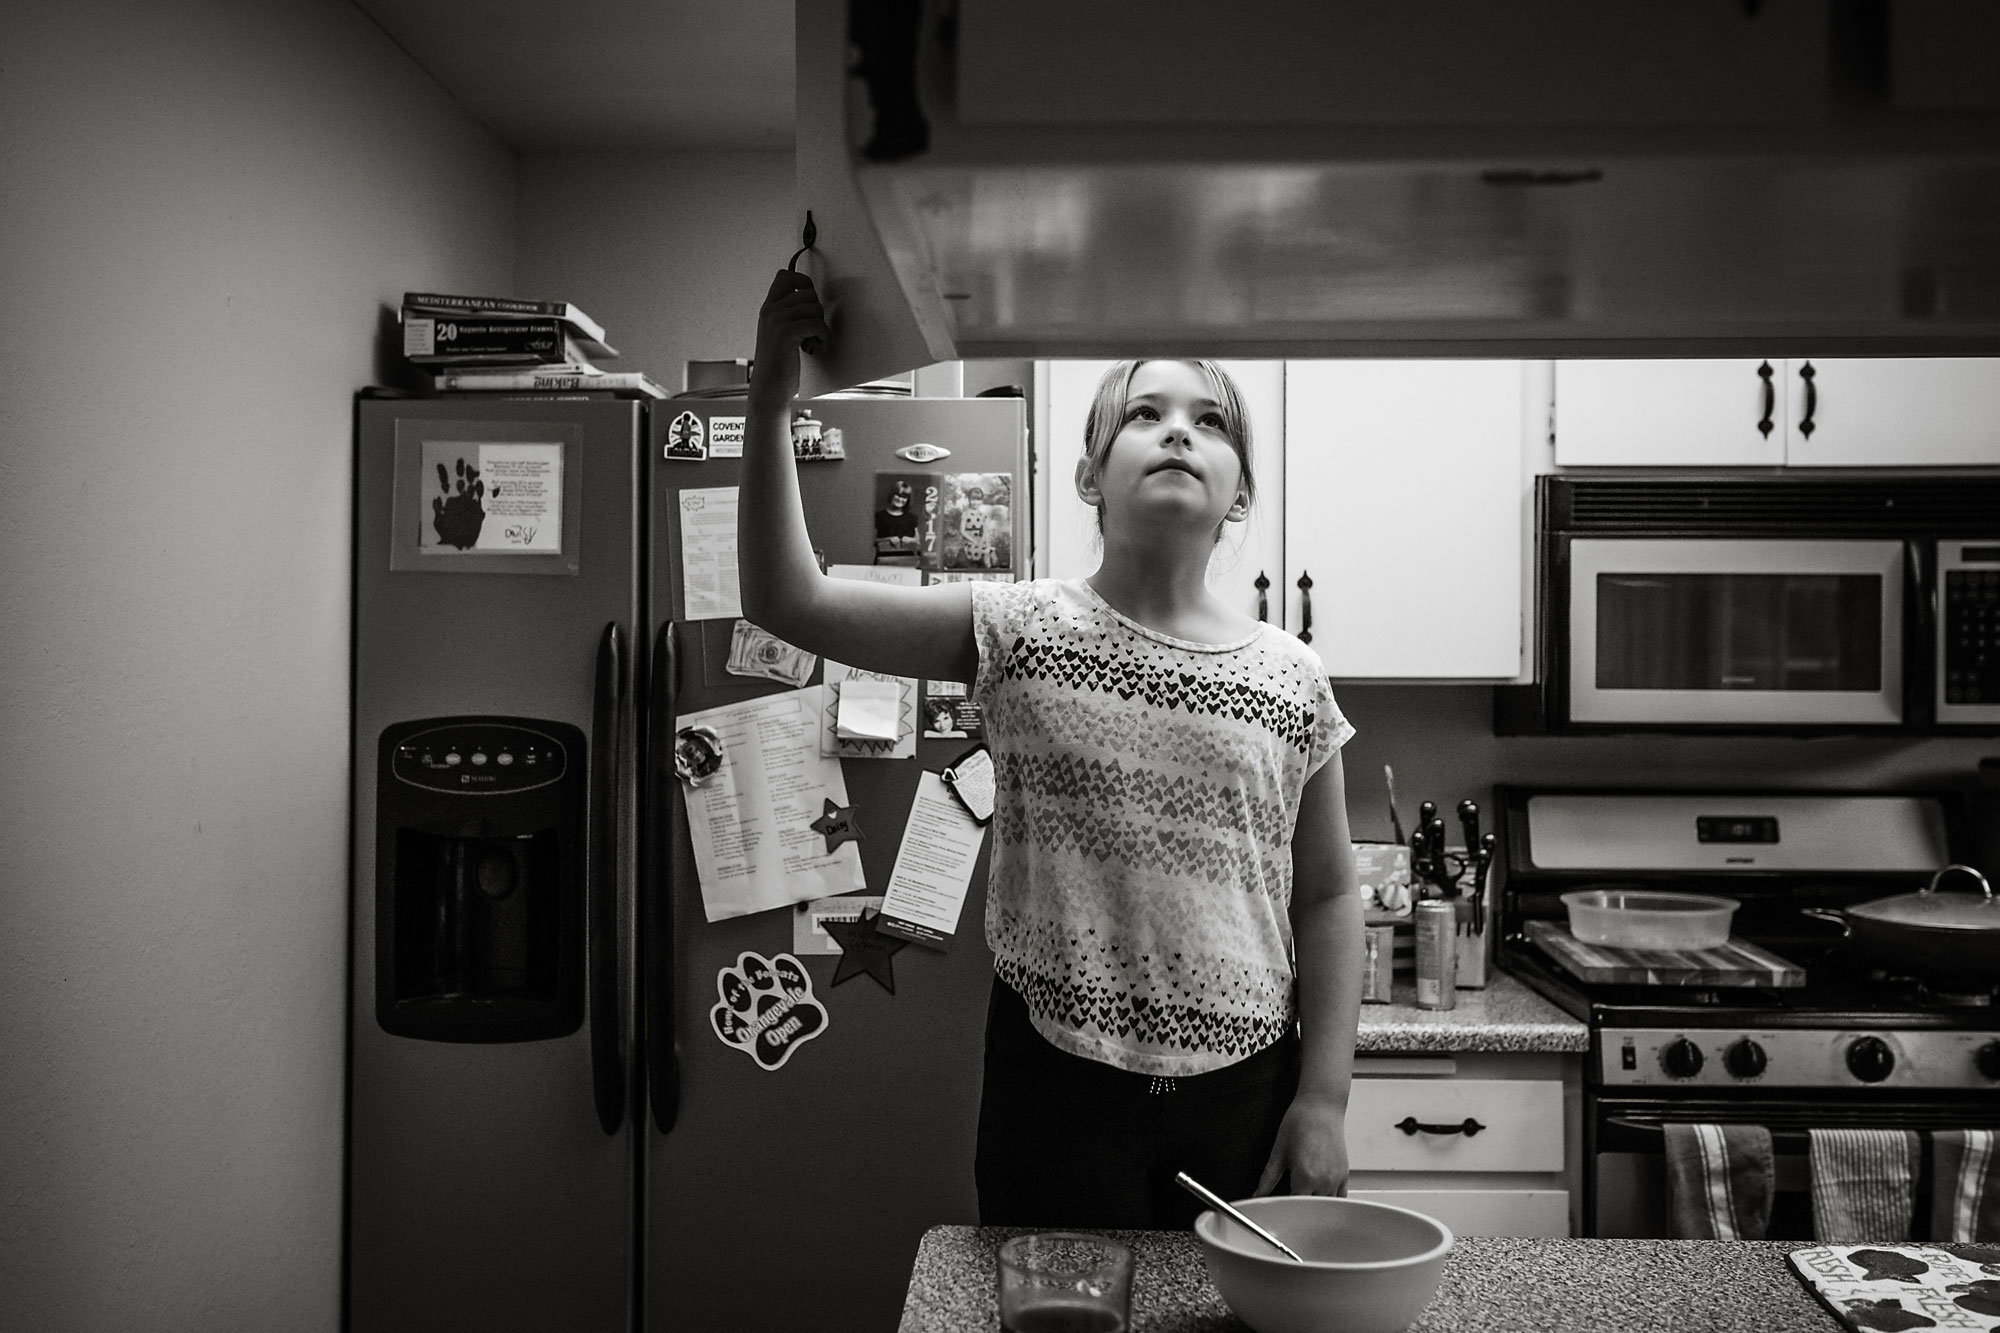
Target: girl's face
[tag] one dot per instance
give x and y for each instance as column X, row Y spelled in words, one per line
column 1172, row 462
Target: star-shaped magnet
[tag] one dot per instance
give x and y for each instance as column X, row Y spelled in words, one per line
column 837, row 825
column 863, row 948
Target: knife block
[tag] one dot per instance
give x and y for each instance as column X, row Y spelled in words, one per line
column 1475, row 951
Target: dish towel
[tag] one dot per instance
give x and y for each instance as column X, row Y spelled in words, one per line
column 1863, row 1183
column 1965, row 1185
column 1877, row 1287
column 1718, row 1181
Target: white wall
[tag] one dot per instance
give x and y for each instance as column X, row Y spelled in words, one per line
column 206, row 206
column 671, row 251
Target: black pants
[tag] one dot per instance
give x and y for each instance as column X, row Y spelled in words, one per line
column 1070, row 1142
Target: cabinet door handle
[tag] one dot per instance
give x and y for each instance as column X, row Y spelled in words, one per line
column 1812, row 400
column 1263, row 586
column 1412, row 1126
column 1305, row 607
column 1770, row 399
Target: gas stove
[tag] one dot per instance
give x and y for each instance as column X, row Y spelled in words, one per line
column 1849, row 1026
column 1827, row 1042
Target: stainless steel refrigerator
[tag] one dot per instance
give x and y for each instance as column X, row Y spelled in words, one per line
column 544, row 1131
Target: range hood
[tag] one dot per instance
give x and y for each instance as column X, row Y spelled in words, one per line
column 1042, row 178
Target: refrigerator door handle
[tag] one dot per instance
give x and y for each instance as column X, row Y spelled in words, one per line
column 607, row 1065
column 656, row 898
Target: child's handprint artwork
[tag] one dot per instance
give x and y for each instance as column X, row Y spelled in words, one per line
column 766, row 1008
column 457, row 515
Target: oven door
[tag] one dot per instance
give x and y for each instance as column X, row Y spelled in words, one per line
column 1736, row 632
column 1625, row 1183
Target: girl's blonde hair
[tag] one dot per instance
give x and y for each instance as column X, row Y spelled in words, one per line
column 1107, row 416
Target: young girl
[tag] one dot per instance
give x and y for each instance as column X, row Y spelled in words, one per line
column 1172, row 905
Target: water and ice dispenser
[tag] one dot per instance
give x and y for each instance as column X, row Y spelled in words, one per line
column 479, row 880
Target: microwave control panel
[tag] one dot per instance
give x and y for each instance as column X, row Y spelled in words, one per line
column 1969, row 631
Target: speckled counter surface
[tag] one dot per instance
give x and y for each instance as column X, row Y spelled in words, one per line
column 1491, row 1285
column 1505, row 1017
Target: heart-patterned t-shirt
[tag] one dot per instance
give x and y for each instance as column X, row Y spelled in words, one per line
column 1140, row 895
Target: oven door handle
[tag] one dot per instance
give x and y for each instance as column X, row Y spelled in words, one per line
column 1787, row 1141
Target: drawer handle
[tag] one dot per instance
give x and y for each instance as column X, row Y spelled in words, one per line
column 1410, row 1125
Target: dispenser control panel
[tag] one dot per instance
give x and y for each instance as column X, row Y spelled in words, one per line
column 479, row 759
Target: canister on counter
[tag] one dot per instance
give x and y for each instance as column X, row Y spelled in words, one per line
column 1378, row 966
column 1437, row 953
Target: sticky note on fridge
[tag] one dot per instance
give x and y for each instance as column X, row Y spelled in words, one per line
column 869, row 710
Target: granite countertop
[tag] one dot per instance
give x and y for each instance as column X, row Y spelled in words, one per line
column 1490, row 1285
column 1505, row 1017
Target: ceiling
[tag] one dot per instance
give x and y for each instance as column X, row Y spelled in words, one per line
column 662, row 74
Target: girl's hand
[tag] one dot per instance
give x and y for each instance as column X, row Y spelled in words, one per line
column 1311, row 1147
column 791, row 316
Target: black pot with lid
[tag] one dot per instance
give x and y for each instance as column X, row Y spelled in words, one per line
column 1932, row 934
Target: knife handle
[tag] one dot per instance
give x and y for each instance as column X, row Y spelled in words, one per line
column 1435, row 832
column 1468, row 823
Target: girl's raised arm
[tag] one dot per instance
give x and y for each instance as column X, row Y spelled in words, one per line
column 896, row 630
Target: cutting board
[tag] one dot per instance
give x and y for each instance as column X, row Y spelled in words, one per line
column 1871, row 1287
column 1737, row 963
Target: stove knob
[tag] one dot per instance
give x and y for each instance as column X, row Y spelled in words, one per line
column 1682, row 1058
column 1870, row 1059
column 1988, row 1059
column 1745, row 1059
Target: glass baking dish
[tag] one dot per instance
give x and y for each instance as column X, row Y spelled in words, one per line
column 1635, row 918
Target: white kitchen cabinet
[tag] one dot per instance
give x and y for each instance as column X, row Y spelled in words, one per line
column 1797, row 412
column 1375, row 479
column 1067, row 547
column 1654, row 413
column 1516, row 1174
column 1408, row 504
column 1516, row 1123
column 1894, row 412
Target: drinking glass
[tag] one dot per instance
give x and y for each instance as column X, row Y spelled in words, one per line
column 1065, row 1282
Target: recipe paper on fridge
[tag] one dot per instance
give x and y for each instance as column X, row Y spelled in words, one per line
column 751, row 822
column 933, row 867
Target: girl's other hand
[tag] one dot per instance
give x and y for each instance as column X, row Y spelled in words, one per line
column 790, row 317
column 1311, row 1148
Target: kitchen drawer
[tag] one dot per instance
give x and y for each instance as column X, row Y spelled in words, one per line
column 1484, row 1212
column 1521, row 1124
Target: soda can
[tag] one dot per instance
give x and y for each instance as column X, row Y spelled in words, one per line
column 1437, row 953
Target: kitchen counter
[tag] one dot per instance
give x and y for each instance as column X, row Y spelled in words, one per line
column 1506, row 1017
column 1491, row 1285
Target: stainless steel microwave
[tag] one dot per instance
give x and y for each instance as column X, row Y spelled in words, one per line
column 1793, row 605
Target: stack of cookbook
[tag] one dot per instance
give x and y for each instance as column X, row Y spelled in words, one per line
column 489, row 343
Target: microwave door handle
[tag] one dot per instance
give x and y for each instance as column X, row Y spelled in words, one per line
column 656, row 899
column 607, row 1064
column 1921, row 647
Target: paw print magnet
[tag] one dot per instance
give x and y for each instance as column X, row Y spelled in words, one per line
column 765, row 1008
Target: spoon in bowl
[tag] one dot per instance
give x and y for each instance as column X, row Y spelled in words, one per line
column 1215, row 1201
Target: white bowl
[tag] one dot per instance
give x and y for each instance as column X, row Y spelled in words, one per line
column 1370, row 1267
